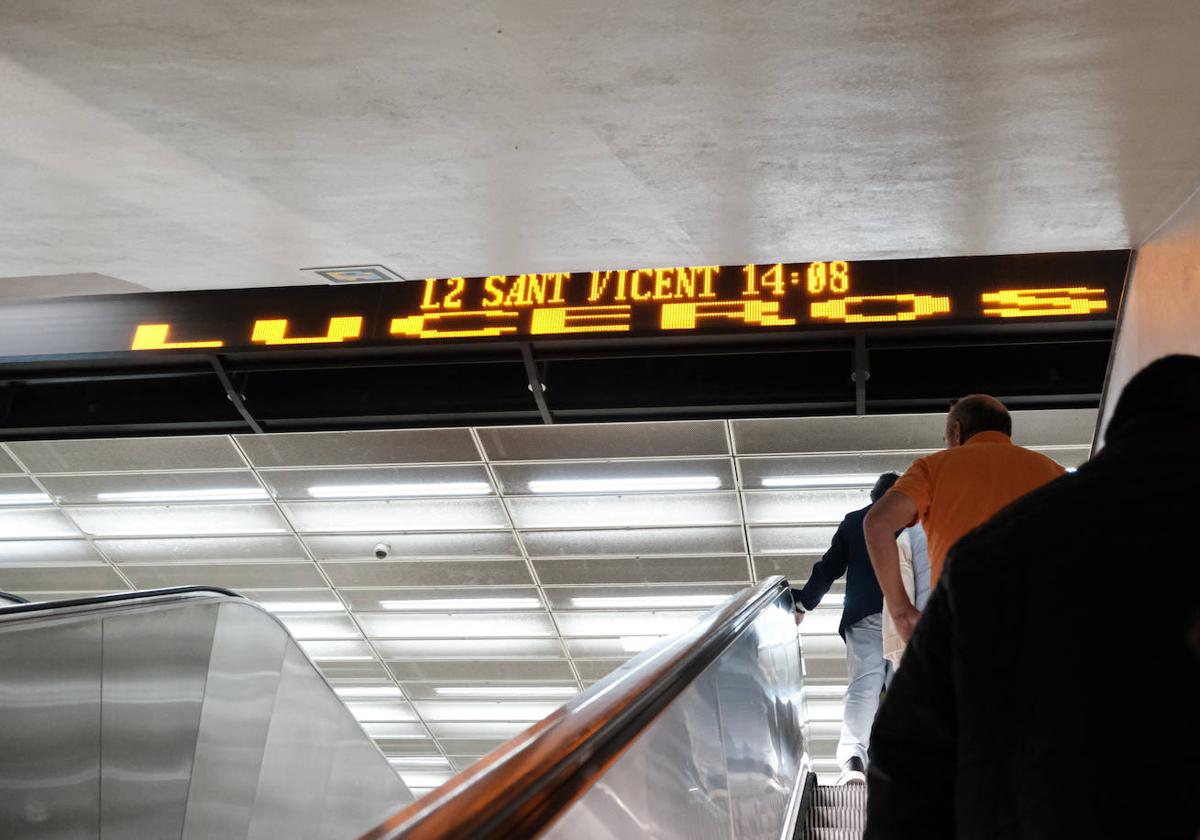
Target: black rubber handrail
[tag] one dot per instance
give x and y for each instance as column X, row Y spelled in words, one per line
column 519, row 788
column 14, row 599
column 112, row 598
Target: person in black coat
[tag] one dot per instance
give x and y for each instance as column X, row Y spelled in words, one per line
column 1052, row 686
column 861, row 627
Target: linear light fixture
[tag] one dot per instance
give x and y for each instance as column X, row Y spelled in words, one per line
column 368, row 692
column 637, row 644
column 302, row 606
column 418, row 761
column 644, row 601
column 206, row 494
column 24, row 499
column 625, row 485
column 391, row 491
column 506, row 691
column 854, row 480
column 451, row 604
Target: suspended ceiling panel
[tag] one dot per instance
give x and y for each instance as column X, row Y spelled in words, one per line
column 522, row 563
column 187, row 145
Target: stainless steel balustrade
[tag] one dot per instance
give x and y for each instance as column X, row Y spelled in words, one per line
column 181, row 715
column 726, row 760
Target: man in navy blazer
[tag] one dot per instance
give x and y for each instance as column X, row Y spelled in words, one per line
column 861, row 627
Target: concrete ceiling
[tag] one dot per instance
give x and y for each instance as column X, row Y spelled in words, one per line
column 223, row 143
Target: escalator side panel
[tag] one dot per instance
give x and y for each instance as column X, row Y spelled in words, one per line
column 670, row 783
column 760, row 725
column 50, row 740
column 154, row 669
column 302, row 794
column 724, row 760
column 242, row 682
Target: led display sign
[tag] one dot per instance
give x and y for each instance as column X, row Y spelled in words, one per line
column 641, row 302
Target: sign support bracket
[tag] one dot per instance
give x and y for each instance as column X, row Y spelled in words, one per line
column 234, row 396
column 536, row 386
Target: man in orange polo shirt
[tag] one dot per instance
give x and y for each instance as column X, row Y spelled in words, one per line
column 952, row 492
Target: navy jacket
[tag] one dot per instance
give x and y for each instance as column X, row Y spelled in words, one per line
column 847, row 555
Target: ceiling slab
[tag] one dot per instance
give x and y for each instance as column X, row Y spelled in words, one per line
column 221, row 144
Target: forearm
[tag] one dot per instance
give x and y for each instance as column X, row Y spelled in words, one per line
column 885, row 560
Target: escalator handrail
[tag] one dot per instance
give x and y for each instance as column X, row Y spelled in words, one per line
column 520, row 787
column 13, row 599
column 112, row 598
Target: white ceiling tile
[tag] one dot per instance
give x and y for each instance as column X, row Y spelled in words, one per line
column 803, row 506
column 7, row 464
column 605, row 440
column 430, row 573
column 128, row 454
column 24, row 523
column 47, row 552
column 508, row 670
column 767, row 472
column 461, row 625
column 229, row 575
column 477, row 730
column 60, row 579
column 177, row 520
column 790, row 539
column 629, row 623
column 475, row 648
column 643, row 570
column 634, row 510
column 343, row 651
column 381, row 711
column 22, row 491
column 308, row 627
column 405, row 600
column 571, row 597
column 397, row 515
column 377, row 482
column 437, row 710
column 203, row 550
column 497, row 544
column 634, row 542
column 520, row 479
column 312, row 449
column 787, row 435
column 133, row 488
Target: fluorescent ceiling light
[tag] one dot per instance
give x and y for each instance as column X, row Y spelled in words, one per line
column 418, row 761
column 302, row 606
column 855, row 480
column 324, row 658
column 363, row 491
column 24, row 499
column 625, row 485
column 506, row 691
column 618, row 601
column 206, row 494
column 637, row 644
column 367, row 691
column 463, row 604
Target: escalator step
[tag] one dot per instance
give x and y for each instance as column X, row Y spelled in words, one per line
column 836, row 813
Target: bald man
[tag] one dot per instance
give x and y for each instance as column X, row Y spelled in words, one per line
column 952, row 492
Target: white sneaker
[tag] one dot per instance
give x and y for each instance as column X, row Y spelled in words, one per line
column 853, row 772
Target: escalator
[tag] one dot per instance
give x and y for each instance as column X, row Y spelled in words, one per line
column 181, row 713
column 191, row 713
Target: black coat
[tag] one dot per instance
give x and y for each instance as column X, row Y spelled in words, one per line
column 847, row 555
column 1052, row 687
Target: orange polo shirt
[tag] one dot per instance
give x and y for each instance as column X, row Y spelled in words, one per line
column 957, row 490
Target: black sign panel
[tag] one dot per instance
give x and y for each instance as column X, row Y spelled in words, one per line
column 664, row 301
